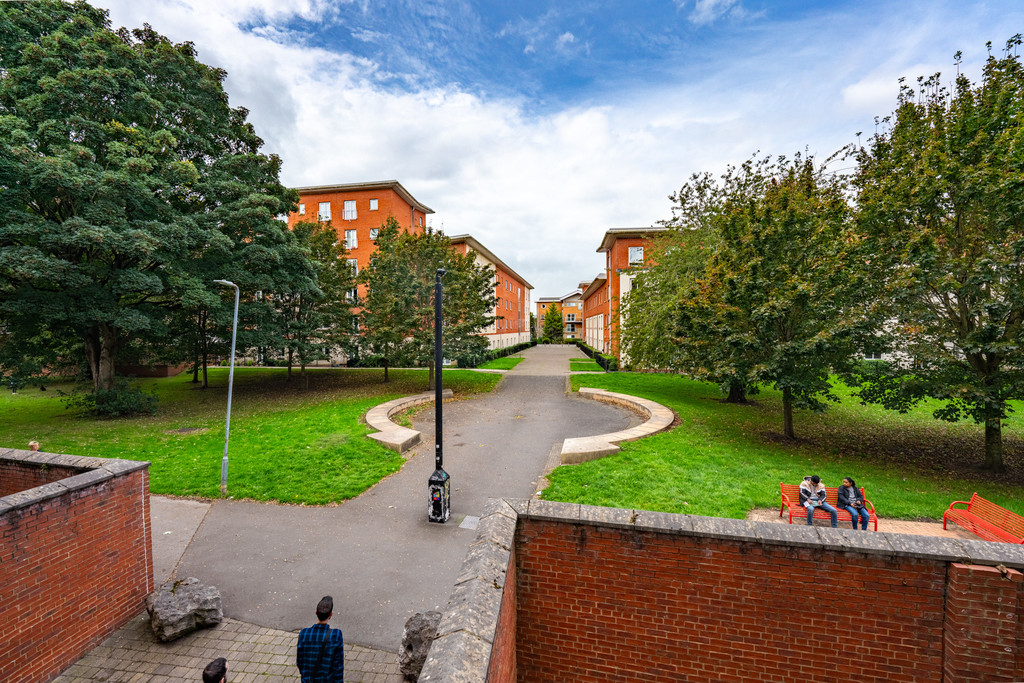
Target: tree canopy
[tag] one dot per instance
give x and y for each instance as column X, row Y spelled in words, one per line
column 126, row 182
column 941, row 197
column 397, row 318
column 554, row 327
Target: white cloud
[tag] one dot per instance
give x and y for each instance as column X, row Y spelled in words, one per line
column 540, row 190
column 566, row 38
column 706, row 11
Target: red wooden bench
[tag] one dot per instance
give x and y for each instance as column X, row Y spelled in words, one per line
column 791, row 500
column 986, row 519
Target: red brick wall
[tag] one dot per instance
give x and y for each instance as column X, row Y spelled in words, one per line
column 502, row 668
column 16, row 476
column 984, row 624
column 606, row 604
column 73, row 568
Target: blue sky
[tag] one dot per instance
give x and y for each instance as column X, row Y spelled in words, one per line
column 536, row 127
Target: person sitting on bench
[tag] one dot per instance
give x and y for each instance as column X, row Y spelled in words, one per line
column 812, row 497
column 851, row 499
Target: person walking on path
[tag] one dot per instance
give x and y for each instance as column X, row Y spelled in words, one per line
column 216, row 671
column 320, row 652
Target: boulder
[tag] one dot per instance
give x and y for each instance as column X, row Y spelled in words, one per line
column 178, row 608
column 420, row 630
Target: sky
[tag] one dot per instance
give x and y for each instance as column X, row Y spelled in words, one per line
column 536, row 127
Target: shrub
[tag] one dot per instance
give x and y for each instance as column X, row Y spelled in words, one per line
column 123, row 400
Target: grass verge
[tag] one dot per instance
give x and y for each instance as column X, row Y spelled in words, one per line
column 504, row 363
column 288, row 443
column 724, row 459
column 584, row 365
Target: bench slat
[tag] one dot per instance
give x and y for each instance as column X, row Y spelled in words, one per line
column 987, row 520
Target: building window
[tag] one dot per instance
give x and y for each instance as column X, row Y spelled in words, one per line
column 570, row 318
column 636, row 256
column 352, row 296
column 323, row 213
column 374, row 231
column 349, row 212
column 302, row 209
column 351, row 242
column 353, row 266
column 373, row 205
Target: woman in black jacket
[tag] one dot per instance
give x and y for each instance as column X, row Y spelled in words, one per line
column 851, row 499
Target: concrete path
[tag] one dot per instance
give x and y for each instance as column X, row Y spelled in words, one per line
column 377, row 555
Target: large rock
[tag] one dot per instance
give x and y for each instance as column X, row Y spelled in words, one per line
column 178, row 608
column 420, row 630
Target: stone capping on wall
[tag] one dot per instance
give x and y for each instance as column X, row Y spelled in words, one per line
column 93, row 471
column 461, row 651
column 584, row 448
column 391, row 435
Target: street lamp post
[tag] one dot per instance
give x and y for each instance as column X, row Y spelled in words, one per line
column 231, row 382
column 439, row 484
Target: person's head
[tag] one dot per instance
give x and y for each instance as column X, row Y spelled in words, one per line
column 34, row 445
column 848, row 481
column 325, row 608
column 216, row 671
column 815, row 479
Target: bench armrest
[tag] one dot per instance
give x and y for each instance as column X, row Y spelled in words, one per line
column 958, row 502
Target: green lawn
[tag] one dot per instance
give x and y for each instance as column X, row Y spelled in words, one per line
column 584, row 365
column 287, row 444
column 722, row 460
column 506, row 363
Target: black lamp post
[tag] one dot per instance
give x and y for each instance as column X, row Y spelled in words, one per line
column 439, row 484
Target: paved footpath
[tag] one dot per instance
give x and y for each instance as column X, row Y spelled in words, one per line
column 376, row 555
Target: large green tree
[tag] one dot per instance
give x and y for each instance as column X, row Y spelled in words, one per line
column 941, row 196
column 319, row 317
column 398, row 310
column 122, row 170
column 554, row 326
column 782, row 300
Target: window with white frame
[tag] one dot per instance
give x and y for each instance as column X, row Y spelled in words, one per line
column 570, row 318
column 374, row 231
column 349, row 212
column 351, row 242
column 353, row 266
column 302, row 209
column 323, row 212
column 636, row 256
column 373, row 205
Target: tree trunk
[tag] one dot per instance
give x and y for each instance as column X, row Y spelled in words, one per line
column 994, row 445
column 101, row 349
column 430, row 376
column 385, row 370
column 197, row 350
column 289, row 365
column 205, row 316
column 787, row 413
column 737, row 393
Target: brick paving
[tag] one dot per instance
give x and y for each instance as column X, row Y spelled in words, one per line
column 895, row 526
column 255, row 655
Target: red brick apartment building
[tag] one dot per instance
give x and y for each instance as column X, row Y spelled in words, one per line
column 512, row 324
column 357, row 210
column 626, row 251
column 571, row 306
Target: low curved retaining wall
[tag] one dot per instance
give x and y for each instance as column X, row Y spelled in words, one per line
column 393, row 436
column 584, row 448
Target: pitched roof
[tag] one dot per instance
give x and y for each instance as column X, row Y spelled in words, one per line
column 372, row 185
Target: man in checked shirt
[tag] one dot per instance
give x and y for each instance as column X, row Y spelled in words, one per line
column 320, row 653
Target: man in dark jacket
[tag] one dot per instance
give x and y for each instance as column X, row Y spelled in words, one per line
column 320, row 653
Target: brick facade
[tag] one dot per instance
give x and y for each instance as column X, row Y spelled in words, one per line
column 76, row 559
column 512, row 312
column 604, row 594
